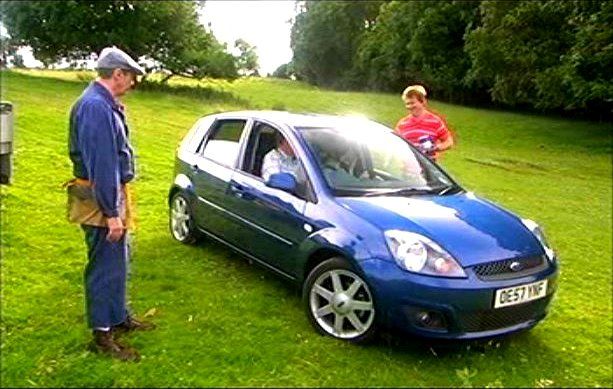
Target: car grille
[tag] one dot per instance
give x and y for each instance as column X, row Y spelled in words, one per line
column 493, row 319
column 501, row 270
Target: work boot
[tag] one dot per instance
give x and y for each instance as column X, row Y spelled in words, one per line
column 104, row 343
column 131, row 324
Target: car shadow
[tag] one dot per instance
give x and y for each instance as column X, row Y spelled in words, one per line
column 457, row 352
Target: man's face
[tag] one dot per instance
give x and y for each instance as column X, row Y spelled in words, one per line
column 286, row 148
column 414, row 105
column 124, row 81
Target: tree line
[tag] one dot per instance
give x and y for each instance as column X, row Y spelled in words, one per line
column 542, row 55
column 167, row 33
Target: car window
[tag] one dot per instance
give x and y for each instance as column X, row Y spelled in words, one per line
column 192, row 141
column 222, row 145
column 269, row 152
column 369, row 161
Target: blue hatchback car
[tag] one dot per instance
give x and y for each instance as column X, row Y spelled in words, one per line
column 375, row 233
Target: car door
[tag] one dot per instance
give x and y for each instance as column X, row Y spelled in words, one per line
column 273, row 220
column 217, row 157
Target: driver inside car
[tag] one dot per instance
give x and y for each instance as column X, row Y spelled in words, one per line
column 282, row 159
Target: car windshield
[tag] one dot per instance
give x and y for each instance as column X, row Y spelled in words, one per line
column 366, row 160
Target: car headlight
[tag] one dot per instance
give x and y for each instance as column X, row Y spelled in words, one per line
column 537, row 231
column 418, row 254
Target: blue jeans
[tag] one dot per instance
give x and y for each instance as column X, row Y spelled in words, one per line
column 105, row 278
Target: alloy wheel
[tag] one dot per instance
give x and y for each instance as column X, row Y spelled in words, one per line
column 180, row 219
column 341, row 304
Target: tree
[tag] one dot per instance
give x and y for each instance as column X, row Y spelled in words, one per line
column 437, row 47
column 586, row 68
column 546, row 54
column 8, row 51
column 167, row 32
column 284, row 71
column 247, row 60
column 325, row 37
column 515, row 46
column 383, row 60
column 418, row 42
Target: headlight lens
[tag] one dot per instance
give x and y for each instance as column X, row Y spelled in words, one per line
column 418, row 254
column 540, row 236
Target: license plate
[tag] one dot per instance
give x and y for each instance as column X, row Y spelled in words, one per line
column 520, row 294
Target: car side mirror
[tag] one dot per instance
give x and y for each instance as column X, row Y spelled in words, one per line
column 284, row 181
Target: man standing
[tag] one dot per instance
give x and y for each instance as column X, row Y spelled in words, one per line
column 103, row 164
column 421, row 127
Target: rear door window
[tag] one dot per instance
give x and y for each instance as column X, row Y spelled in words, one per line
column 222, row 144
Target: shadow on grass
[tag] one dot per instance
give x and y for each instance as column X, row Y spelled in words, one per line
column 509, row 164
column 196, row 92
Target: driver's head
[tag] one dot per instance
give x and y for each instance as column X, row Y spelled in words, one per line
column 283, row 145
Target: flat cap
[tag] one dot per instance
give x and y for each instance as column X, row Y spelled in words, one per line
column 114, row 58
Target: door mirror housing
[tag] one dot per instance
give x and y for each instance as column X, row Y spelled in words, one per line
column 284, row 181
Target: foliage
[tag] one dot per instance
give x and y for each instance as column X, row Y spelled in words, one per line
column 325, row 37
column 247, row 61
column 8, row 54
column 437, row 47
column 224, row 323
column 589, row 61
column 284, row 71
column 546, row 55
column 167, row 32
column 382, row 59
column 516, row 45
column 418, row 42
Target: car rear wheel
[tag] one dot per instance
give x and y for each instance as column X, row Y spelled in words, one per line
column 339, row 302
column 181, row 220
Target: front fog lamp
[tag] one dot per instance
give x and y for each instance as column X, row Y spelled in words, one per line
column 418, row 254
column 537, row 231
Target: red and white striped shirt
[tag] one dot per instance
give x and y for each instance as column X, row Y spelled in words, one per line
column 412, row 128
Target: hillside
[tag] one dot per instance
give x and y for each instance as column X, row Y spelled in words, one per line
column 222, row 322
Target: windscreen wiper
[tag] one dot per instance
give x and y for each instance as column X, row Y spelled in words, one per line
column 399, row 192
column 449, row 189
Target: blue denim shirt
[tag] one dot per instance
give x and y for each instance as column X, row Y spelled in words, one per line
column 99, row 145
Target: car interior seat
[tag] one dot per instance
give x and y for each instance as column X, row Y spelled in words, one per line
column 266, row 141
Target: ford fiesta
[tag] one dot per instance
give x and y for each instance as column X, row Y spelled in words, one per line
column 375, row 233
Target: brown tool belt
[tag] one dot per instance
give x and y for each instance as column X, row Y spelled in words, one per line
column 82, row 207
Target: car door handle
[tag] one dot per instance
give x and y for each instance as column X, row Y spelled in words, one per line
column 241, row 191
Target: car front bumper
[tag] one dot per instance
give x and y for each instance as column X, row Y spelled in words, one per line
column 453, row 308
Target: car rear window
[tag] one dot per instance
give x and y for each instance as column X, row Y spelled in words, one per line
column 223, row 143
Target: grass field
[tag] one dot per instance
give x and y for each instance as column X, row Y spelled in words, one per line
column 223, row 322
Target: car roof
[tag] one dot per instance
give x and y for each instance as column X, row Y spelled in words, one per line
column 298, row 119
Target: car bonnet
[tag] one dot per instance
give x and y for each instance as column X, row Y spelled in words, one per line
column 472, row 230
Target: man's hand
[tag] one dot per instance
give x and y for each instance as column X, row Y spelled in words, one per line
column 116, row 229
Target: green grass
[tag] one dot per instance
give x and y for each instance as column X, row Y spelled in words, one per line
column 223, row 322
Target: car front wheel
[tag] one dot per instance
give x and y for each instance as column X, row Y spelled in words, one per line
column 339, row 302
column 181, row 220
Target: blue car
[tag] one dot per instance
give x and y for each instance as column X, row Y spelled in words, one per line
column 375, row 234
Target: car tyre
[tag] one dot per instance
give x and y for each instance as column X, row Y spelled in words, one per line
column 181, row 220
column 339, row 302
